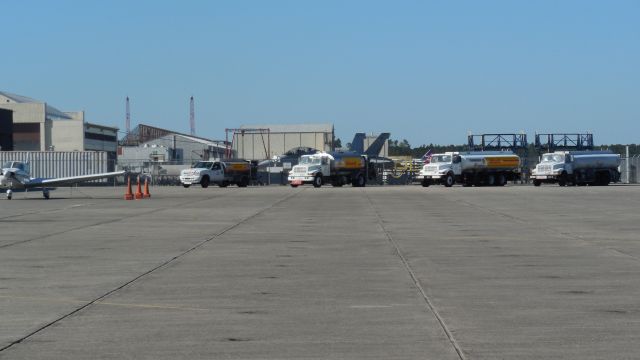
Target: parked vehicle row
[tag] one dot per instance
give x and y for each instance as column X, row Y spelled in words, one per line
column 476, row 168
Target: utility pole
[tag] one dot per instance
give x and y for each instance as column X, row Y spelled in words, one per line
column 192, row 118
column 128, row 118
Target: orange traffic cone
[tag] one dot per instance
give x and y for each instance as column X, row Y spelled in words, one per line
column 146, row 188
column 129, row 194
column 139, row 190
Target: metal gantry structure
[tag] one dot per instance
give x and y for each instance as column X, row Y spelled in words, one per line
column 489, row 142
column 246, row 131
column 563, row 141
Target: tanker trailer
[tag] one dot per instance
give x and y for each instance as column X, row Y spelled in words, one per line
column 335, row 168
column 480, row 168
column 577, row 168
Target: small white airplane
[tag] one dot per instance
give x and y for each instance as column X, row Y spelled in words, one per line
column 15, row 176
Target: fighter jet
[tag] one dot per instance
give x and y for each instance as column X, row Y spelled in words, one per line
column 15, row 176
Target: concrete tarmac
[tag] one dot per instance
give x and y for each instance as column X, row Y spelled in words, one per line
column 399, row 272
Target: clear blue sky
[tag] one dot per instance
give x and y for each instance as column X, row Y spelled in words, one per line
column 427, row 71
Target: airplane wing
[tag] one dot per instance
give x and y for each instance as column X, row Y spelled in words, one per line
column 71, row 180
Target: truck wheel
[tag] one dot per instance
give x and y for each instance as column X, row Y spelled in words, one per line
column 426, row 183
column 243, row 182
column 317, row 181
column 491, row 180
column 562, row 180
column 537, row 182
column 294, row 185
column 186, row 185
column 360, row 182
column 449, row 180
column 603, row 179
column 205, row 182
column 224, row 184
column 502, row 180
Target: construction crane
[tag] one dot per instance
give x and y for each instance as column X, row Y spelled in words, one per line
column 192, row 118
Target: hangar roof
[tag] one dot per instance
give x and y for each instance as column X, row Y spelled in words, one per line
column 293, row 128
column 50, row 110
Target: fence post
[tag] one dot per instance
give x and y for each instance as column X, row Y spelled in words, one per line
column 627, row 167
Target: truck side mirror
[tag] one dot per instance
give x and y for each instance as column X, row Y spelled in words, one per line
column 457, row 159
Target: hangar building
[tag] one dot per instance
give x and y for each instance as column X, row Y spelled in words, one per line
column 259, row 142
column 38, row 126
column 147, row 145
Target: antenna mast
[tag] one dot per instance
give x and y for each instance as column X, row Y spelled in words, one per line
column 192, row 118
column 128, row 118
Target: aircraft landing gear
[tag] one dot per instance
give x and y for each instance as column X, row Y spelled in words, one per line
column 45, row 193
column 9, row 194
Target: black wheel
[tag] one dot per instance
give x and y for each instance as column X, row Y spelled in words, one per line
column 243, row 182
column 359, row 181
column 205, row 182
column 562, row 180
column 224, row 184
column 605, row 178
column 502, row 180
column 186, row 185
column 537, row 182
column 491, row 180
column 294, row 185
column 426, row 183
column 449, row 180
column 317, row 181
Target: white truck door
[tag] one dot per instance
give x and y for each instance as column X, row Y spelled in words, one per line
column 217, row 172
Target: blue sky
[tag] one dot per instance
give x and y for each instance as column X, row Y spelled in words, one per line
column 427, row 71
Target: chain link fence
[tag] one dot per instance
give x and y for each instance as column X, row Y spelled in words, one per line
column 630, row 170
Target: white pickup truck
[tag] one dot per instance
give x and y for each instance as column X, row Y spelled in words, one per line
column 222, row 173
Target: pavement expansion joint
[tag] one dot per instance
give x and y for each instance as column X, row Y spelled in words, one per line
column 100, row 298
column 416, row 281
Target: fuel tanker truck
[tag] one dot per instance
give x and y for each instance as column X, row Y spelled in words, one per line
column 334, row 168
column 489, row 168
column 577, row 168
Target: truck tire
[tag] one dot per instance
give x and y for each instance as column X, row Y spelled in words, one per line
column 502, row 179
column 426, row 183
column 204, row 182
column 224, row 184
column 359, row 181
column 294, row 185
column 603, row 178
column 537, row 182
column 243, row 182
column 317, row 181
column 491, row 180
column 186, row 185
column 449, row 180
column 562, row 180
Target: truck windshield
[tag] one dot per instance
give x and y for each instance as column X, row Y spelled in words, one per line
column 307, row 160
column 552, row 158
column 201, row 164
column 441, row 159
